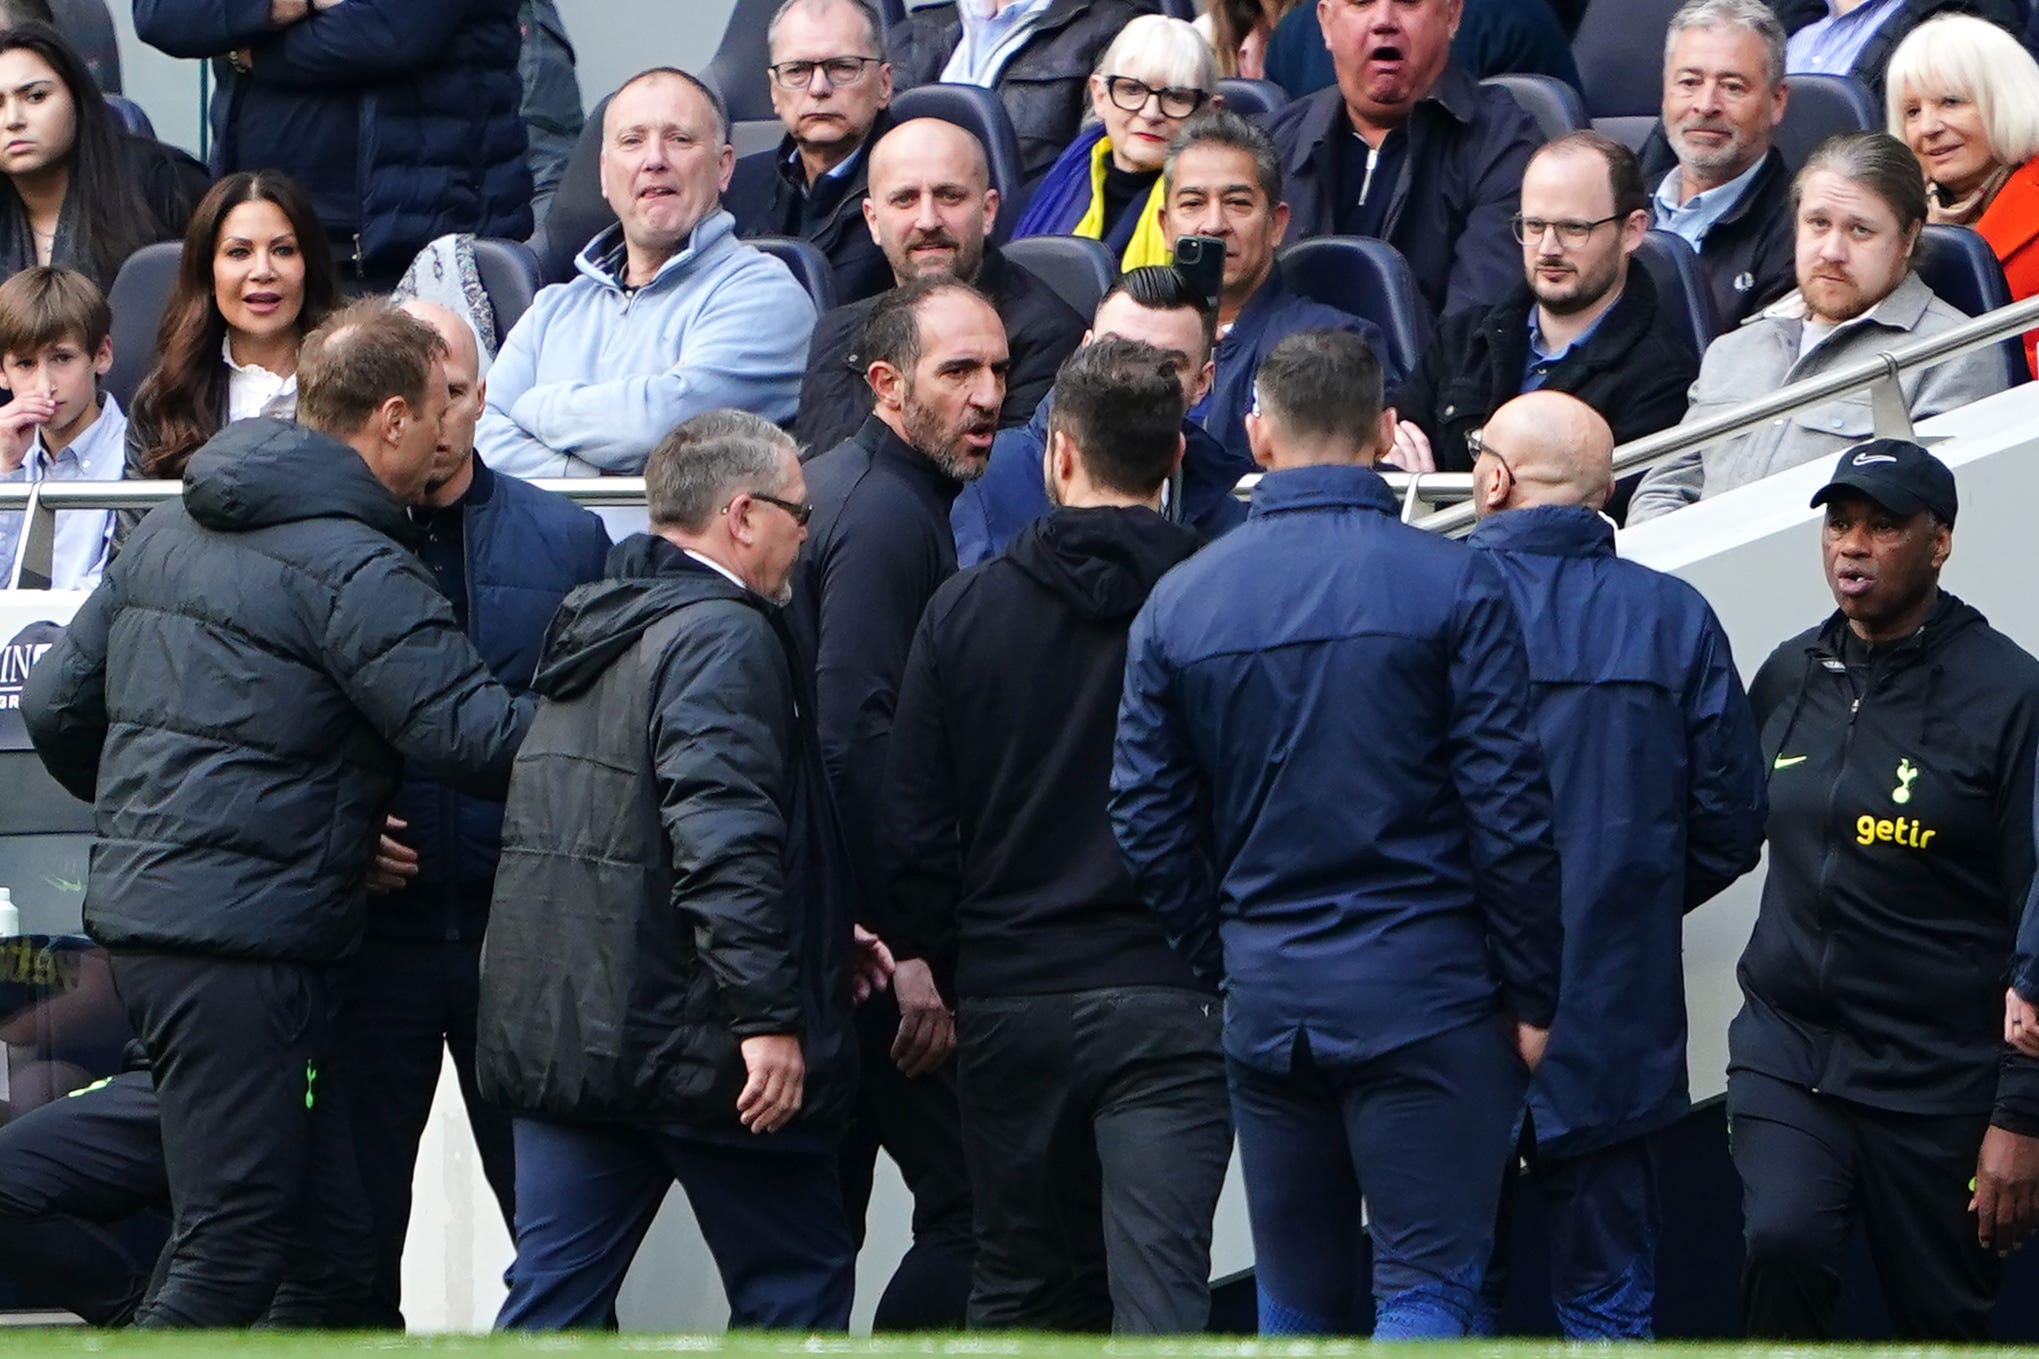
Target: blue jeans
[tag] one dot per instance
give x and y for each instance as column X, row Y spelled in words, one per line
column 1423, row 1133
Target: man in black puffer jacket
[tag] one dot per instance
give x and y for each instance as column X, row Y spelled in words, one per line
column 238, row 698
column 665, row 989
column 1084, row 1044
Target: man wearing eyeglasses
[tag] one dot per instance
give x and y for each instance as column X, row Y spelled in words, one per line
column 830, row 86
column 1038, row 55
column 1622, row 659
column 1583, row 321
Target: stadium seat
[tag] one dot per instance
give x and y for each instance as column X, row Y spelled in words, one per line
column 1961, row 269
column 1368, row 278
column 891, row 13
column 578, row 212
column 140, row 292
column 810, row 267
column 1253, row 98
column 1554, row 104
column 980, row 112
column 738, row 69
column 1180, row 9
column 509, row 275
column 1822, row 105
column 1632, row 130
column 1619, row 49
column 130, row 116
column 1673, row 267
column 88, row 26
column 1079, row 269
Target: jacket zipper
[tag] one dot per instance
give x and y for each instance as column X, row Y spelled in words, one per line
column 1829, row 846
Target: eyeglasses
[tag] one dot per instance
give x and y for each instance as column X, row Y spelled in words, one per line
column 1132, row 96
column 1529, row 230
column 838, row 71
column 800, row 511
column 1476, row 444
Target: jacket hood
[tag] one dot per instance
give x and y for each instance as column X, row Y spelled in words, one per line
column 257, row 473
column 645, row 579
column 1547, row 531
column 1101, row 562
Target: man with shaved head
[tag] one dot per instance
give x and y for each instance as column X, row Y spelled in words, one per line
column 1658, row 784
column 931, row 210
column 504, row 553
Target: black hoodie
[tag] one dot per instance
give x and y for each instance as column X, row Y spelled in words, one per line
column 998, row 846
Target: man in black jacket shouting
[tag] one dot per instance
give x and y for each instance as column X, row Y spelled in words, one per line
column 665, row 985
column 238, row 698
column 1867, row 1073
column 1085, row 1044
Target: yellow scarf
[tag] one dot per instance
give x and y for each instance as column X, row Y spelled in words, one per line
column 1148, row 245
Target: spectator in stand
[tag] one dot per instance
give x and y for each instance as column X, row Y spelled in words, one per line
column 1034, row 53
column 1238, row 32
column 55, row 346
column 878, row 547
column 1721, row 183
column 1964, row 95
column 1859, row 204
column 1327, row 784
column 670, row 315
column 1586, row 322
column 552, row 98
column 1224, row 180
column 1085, row 1046
column 82, row 192
column 1155, row 306
column 1857, row 37
column 830, row 85
column 255, row 278
column 1107, row 185
column 402, row 120
column 1494, row 37
column 1621, row 659
column 931, row 208
column 1411, row 148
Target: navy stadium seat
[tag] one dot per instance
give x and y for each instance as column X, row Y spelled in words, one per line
column 88, row 26
column 1368, row 278
column 1673, row 266
column 1079, row 269
column 1253, row 98
column 510, row 277
column 980, row 112
column 578, row 212
column 810, row 267
column 1961, row 269
column 1619, row 49
column 1555, row 105
column 140, row 292
column 129, row 114
column 1820, row 106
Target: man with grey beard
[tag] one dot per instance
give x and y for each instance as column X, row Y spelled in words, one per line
column 879, row 544
column 1720, row 183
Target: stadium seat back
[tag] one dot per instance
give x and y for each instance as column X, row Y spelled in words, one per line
column 510, row 277
column 1673, row 266
column 1555, row 105
column 1820, row 106
column 737, row 70
column 88, row 26
column 140, row 292
column 1632, row 131
column 1079, row 269
column 1619, row 49
column 810, row 267
column 980, row 112
column 578, row 212
column 1368, row 278
column 130, row 116
column 1961, row 269
column 1252, row 98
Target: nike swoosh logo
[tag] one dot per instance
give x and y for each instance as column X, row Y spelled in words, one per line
column 1864, row 459
column 1786, row 761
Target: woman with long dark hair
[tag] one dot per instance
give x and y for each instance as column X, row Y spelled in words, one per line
column 80, row 191
column 256, row 276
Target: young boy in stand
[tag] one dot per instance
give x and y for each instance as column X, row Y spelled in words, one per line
column 54, row 349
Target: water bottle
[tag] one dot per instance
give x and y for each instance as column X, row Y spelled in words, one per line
column 10, row 915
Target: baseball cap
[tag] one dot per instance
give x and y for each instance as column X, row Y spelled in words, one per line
column 1898, row 475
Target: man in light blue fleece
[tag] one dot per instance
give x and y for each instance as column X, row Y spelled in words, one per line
column 670, row 316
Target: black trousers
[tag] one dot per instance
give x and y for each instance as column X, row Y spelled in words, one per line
column 917, row 1124
column 265, row 1195
column 1097, row 1130
column 402, row 1002
column 1813, row 1166
column 83, row 1200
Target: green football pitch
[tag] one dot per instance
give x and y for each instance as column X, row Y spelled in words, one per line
column 242, row 1345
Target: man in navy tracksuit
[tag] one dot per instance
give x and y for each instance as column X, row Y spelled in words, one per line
column 1622, row 660
column 1327, row 783
column 1868, row 1078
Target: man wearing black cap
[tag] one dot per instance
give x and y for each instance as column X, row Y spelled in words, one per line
column 1867, row 1076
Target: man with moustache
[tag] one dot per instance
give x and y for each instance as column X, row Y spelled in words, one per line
column 1584, row 322
column 830, row 84
column 930, row 209
column 1721, row 183
column 878, row 547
